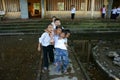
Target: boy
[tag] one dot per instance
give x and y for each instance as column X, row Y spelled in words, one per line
column 45, row 41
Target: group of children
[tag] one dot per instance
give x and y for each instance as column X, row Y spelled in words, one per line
column 114, row 13
column 54, row 46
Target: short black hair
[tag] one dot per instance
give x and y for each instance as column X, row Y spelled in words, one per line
column 67, row 30
column 57, row 19
column 63, row 31
column 59, row 26
column 48, row 25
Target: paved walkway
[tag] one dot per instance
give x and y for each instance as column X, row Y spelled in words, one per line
column 74, row 72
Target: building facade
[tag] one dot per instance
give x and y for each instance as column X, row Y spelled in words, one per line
column 47, row 8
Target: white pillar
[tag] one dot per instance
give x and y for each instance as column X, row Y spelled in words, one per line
column 3, row 2
column 43, row 8
column 86, row 2
column 24, row 9
column 92, row 8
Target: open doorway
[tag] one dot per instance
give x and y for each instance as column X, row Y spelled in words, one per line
column 34, row 8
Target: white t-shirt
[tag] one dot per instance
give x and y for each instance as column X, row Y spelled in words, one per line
column 104, row 10
column 73, row 10
column 118, row 10
column 45, row 39
column 60, row 43
column 114, row 11
column 56, row 37
column 54, row 27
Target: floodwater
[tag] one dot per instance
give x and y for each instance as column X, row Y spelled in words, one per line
column 19, row 58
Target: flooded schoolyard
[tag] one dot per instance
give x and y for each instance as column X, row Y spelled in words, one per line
column 19, row 58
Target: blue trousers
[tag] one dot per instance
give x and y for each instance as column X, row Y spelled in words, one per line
column 61, row 59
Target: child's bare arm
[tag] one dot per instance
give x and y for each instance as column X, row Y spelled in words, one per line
column 39, row 47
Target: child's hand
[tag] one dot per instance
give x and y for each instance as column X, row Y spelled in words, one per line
column 52, row 42
column 39, row 48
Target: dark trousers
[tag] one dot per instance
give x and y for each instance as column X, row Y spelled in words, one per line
column 113, row 16
column 47, row 54
column 117, row 15
column 51, row 53
column 72, row 15
column 103, row 15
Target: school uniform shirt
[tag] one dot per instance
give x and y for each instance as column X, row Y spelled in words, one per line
column 45, row 39
column 73, row 10
column 103, row 10
column 118, row 10
column 114, row 11
column 60, row 43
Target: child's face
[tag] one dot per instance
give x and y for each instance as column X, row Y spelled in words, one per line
column 68, row 35
column 50, row 28
column 58, row 31
column 62, row 35
column 57, row 22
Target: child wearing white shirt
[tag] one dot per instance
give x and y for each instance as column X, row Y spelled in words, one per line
column 103, row 11
column 73, row 11
column 61, row 53
column 114, row 13
column 118, row 11
column 45, row 41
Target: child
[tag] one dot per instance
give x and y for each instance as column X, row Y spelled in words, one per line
column 67, row 35
column 57, row 22
column 53, row 19
column 45, row 41
column 114, row 12
column 61, row 54
column 118, row 11
column 103, row 11
column 73, row 10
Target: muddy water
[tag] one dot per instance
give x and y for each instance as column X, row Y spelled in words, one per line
column 81, row 48
column 19, row 57
column 81, row 45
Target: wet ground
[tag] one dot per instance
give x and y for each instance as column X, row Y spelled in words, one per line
column 19, row 58
column 81, row 48
column 105, row 53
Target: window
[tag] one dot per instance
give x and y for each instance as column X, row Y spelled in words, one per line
column 12, row 5
column 60, row 6
column 98, row 4
column 64, row 5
